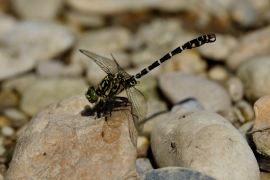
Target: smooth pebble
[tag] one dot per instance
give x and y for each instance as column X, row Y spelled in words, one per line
column 179, row 86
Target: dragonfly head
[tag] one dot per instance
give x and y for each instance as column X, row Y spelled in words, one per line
column 91, row 95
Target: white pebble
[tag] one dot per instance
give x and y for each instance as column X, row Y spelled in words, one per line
column 7, row 131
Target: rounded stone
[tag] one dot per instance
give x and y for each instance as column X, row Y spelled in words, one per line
column 206, row 142
column 7, row 131
column 47, row 91
column 188, row 62
column 260, row 131
column 218, row 73
column 49, row 68
column 246, row 109
column 235, row 88
column 16, row 117
column 20, row 83
column 37, row 9
column 39, row 40
column 252, row 45
column 254, row 75
column 171, row 173
column 179, row 86
column 244, row 14
column 8, row 99
column 143, row 165
column 14, row 64
column 220, row 49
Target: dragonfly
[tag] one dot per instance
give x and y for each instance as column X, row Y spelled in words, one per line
column 118, row 80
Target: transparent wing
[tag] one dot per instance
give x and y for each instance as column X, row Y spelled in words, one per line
column 120, row 70
column 107, row 65
column 138, row 107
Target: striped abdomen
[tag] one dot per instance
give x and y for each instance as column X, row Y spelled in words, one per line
column 209, row 38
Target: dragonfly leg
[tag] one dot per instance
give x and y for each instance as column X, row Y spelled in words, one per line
column 100, row 109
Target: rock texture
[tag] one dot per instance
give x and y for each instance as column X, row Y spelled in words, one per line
column 64, row 142
column 169, row 173
column 260, row 131
column 206, row 142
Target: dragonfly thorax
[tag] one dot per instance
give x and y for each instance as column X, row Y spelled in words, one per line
column 110, row 86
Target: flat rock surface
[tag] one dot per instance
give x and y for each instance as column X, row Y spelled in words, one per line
column 63, row 142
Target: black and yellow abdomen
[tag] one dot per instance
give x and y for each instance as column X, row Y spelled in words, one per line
column 111, row 85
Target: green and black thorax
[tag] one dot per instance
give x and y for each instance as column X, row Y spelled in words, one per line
column 110, row 86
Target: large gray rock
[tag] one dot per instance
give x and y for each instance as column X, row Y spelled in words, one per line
column 63, row 141
column 206, row 142
column 179, row 86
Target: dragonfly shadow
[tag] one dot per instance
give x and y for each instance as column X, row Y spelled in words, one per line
column 105, row 108
column 88, row 111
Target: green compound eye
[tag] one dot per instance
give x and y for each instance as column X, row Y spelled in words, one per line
column 91, row 95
